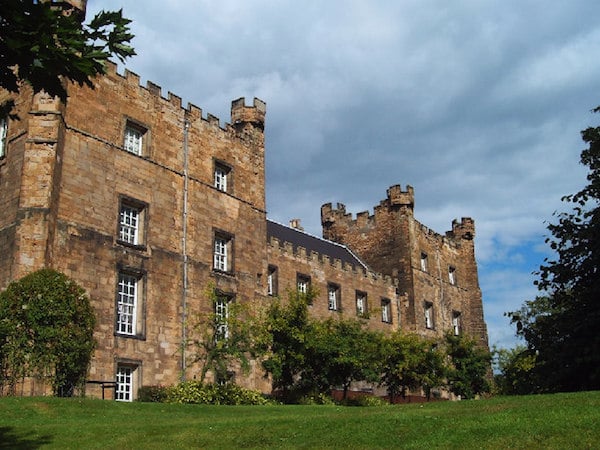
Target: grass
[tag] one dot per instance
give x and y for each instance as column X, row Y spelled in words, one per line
column 569, row 421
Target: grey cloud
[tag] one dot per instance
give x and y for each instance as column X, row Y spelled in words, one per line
column 478, row 105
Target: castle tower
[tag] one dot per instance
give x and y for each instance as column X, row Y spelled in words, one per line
column 249, row 120
column 248, row 124
column 437, row 274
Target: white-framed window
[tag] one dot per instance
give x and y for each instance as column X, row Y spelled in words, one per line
column 333, row 297
column 428, row 315
column 3, row 134
column 220, row 260
column 272, row 282
column 129, row 304
column 361, row 303
column 452, row 275
column 222, row 177
column 131, row 222
column 133, row 140
column 424, row 262
column 126, row 378
column 456, row 323
column 223, row 252
column 222, row 302
column 303, row 283
column 386, row 310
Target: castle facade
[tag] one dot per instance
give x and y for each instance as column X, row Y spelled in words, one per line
column 146, row 203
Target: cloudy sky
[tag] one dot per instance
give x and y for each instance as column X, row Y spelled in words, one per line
column 477, row 104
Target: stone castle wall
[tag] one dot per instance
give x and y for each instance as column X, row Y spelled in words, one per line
column 67, row 174
column 324, row 271
column 393, row 242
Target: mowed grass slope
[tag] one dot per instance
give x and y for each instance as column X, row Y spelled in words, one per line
column 569, row 421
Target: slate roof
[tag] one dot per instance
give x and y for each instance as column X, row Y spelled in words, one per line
column 312, row 243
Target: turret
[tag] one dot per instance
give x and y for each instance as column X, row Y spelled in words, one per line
column 242, row 115
column 463, row 230
column 332, row 219
column 404, row 199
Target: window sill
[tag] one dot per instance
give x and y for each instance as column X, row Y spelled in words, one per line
column 226, row 273
column 138, row 247
column 139, row 337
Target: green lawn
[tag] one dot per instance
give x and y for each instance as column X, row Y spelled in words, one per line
column 569, row 421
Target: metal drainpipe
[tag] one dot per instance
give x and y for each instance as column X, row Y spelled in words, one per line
column 441, row 280
column 186, row 126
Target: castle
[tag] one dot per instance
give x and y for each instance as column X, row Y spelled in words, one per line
column 145, row 203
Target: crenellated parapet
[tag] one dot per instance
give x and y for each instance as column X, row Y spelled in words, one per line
column 336, row 221
column 397, row 197
column 465, row 229
column 331, row 215
column 241, row 115
column 253, row 115
column 321, row 262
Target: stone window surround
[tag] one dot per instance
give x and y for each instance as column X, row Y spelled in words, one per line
column 362, row 308
column 428, row 315
column 127, row 372
column 142, row 220
column 272, row 281
column 3, row 136
column 139, row 308
column 142, row 147
column 222, row 176
column 223, row 251
column 334, row 298
column 302, row 283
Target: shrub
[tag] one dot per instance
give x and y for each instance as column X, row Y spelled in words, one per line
column 214, row 394
column 316, row 399
column 46, row 331
column 156, row 394
column 365, row 400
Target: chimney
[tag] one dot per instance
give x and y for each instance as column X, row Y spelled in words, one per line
column 295, row 224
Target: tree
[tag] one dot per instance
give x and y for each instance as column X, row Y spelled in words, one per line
column 410, row 362
column 46, row 330
column 42, row 43
column 289, row 327
column 340, row 352
column 515, row 367
column 560, row 326
column 470, row 365
column 228, row 335
column 311, row 357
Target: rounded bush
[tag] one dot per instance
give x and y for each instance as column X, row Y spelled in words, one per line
column 46, row 330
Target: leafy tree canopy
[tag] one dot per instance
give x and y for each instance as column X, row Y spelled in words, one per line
column 410, row 362
column 515, row 367
column 470, row 366
column 41, row 43
column 560, row 326
column 230, row 334
column 46, row 330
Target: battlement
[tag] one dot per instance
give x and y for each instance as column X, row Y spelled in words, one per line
column 465, row 229
column 330, row 215
column 322, row 261
column 397, row 197
column 240, row 113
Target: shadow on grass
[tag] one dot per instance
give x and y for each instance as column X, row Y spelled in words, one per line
column 11, row 440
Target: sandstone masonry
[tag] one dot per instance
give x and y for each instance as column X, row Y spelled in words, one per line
column 147, row 203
